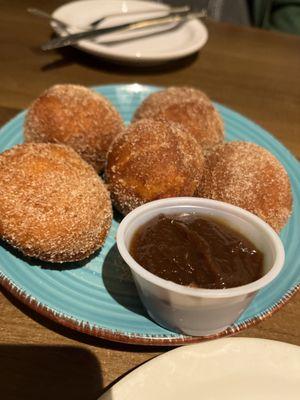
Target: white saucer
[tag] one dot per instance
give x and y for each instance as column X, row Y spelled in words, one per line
column 235, row 369
column 161, row 44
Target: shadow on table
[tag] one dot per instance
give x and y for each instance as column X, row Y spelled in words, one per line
column 75, row 335
column 33, row 372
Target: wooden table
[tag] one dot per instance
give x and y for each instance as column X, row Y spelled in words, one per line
column 254, row 72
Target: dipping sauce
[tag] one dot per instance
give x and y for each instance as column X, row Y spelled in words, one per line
column 196, row 251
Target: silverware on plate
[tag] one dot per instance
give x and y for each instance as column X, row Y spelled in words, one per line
column 169, row 10
column 126, row 27
column 43, row 14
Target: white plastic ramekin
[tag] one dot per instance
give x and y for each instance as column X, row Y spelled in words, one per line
column 194, row 311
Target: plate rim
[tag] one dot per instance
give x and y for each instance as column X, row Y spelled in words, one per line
column 241, row 343
column 102, row 51
column 135, row 338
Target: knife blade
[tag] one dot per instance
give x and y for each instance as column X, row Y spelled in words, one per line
column 130, row 26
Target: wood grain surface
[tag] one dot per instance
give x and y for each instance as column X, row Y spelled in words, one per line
column 252, row 71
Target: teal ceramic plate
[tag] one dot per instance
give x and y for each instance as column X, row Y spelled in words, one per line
column 99, row 297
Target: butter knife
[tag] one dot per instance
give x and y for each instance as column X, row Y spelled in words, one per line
column 130, row 26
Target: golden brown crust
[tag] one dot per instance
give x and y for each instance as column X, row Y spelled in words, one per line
column 152, row 160
column 76, row 116
column 248, row 176
column 53, row 205
column 189, row 107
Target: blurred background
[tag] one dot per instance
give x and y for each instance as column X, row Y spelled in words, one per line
column 281, row 15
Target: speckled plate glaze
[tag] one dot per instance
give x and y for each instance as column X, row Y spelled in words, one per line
column 98, row 297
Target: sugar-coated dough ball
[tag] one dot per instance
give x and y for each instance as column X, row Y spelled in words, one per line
column 76, row 116
column 189, row 107
column 247, row 175
column 53, row 205
column 152, row 160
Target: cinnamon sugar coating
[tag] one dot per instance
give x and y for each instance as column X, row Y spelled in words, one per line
column 53, row 205
column 76, row 116
column 152, row 160
column 247, row 175
column 189, row 107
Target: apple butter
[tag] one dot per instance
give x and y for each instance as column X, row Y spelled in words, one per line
column 196, row 251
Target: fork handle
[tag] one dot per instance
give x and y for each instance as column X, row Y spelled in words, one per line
column 43, row 14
